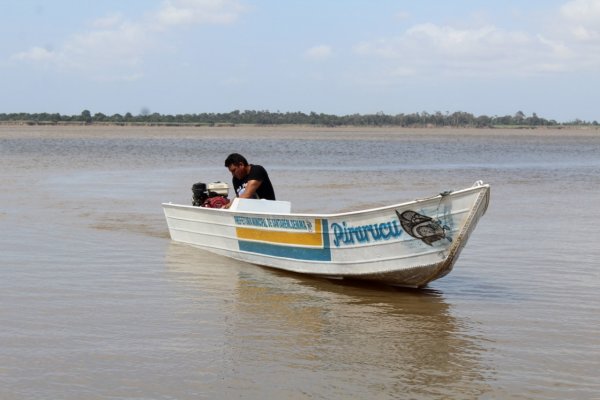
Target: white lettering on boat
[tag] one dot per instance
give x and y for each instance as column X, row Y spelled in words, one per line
column 278, row 223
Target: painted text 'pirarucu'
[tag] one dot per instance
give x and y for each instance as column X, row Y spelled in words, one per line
column 347, row 235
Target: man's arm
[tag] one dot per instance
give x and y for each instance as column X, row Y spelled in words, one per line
column 251, row 188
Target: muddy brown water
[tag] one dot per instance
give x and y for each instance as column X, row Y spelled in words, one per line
column 96, row 302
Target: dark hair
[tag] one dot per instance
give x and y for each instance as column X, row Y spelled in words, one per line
column 235, row 158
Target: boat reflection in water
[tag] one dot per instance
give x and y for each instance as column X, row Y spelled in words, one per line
column 280, row 333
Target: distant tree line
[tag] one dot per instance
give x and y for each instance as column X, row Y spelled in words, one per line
column 423, row 119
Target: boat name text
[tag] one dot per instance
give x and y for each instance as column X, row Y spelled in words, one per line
column 347, row 235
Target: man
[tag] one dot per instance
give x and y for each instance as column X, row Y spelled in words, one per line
column 249, row 181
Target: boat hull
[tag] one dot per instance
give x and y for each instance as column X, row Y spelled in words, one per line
column 407, row 244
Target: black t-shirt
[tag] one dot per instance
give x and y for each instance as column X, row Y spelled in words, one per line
column 258, row 173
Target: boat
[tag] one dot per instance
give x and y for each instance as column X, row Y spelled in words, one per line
column 406, row 244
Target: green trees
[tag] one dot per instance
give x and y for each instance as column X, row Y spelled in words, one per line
column 86, row 116
column 236, row 117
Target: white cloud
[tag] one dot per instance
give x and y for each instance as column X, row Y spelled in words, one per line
column 115, row 47
column 582, row 11
column 570, row 44
column 35, row 54
column 582, row 18
column 584, row 34
column 107, row 22
column 319, row 52
column 429, row 48
column 401, row 15
column 180, row 12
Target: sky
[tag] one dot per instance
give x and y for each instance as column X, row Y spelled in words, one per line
column 327, row 56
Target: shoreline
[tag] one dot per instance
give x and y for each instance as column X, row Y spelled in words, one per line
column 237, row 125
column 292, row 131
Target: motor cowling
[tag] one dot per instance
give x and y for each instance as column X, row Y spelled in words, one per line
column 216, row 202
column 212, row 195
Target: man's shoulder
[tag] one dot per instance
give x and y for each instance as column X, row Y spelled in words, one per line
column 257, row 170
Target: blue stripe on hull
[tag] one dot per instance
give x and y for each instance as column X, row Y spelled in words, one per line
column 286, row 251
column 297, row 253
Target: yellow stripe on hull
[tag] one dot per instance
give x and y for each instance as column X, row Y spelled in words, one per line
column 296, row 238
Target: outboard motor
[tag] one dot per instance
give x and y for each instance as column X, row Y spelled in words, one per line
column 200, row 194
column 213, row 195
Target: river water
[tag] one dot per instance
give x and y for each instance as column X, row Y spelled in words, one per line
column 96, row 302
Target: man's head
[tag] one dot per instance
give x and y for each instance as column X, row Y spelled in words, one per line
column 236, row 164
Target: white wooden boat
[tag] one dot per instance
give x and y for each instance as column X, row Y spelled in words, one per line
column 407, row 244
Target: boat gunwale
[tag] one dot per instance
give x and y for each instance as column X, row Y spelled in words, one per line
column 330, row 215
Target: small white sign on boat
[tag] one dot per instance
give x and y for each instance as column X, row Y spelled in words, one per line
column 406, row 244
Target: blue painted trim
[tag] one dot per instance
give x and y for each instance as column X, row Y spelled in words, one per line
column 297, row 253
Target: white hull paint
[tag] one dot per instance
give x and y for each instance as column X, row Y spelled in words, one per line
column 407, row 244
